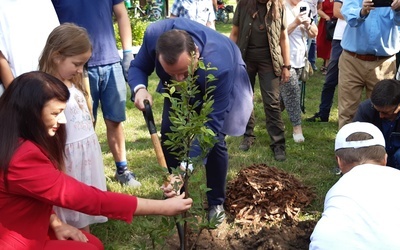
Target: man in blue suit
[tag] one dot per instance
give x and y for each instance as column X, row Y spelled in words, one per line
column 167, row 48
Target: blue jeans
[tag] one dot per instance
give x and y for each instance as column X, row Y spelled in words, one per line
column 394, row 160
column 312, row 46
column 108, row 86
column 331, row 80
column 393, row 150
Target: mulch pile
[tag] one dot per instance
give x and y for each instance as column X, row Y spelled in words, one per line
column 266, row 194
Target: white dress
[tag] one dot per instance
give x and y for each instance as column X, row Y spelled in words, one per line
column 83, row 154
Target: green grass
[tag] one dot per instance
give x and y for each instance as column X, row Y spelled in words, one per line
column 312, row 162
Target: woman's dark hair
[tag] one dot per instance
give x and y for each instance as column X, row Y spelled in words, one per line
column 171, row 44
column 21, row 108
column 386, row 93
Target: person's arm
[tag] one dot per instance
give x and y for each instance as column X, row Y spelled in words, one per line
column 215, row 5
column 125, row 32
column 301, row 19
column 336, row 10
column 323, row 15
column 143, row 66
column 312, row 30
column 234, row 33
column 6, row 76
column 285, row 48
column 355, row 12
column 32, row 174
column 63, row 231
column 168, row 207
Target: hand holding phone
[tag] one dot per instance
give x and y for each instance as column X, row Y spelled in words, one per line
column 382, row 3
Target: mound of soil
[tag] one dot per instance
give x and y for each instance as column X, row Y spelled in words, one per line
column 263, row 203
column 266, row 194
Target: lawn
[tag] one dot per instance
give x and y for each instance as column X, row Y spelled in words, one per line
column 312, row 162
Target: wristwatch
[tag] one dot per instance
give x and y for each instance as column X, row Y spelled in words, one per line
column 287, row 66
column 134, row 92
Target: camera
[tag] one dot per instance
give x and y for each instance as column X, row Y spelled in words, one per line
column 303, row 8
column 382, row 3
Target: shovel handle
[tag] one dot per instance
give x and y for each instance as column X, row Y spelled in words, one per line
column 148, row 116
column 159, row 151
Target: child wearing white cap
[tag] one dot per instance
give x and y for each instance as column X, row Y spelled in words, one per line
column 361, row 210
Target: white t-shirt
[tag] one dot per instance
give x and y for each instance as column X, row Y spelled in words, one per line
column 298, row 38
column 24, row 28
column 361, row 211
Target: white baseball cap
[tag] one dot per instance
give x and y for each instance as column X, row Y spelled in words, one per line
column 354, row 127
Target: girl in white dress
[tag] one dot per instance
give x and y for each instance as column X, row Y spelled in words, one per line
column 67, row 50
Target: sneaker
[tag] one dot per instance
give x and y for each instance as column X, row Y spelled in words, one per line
column 337, row 171
column 314, row 67
column 246, row 143
column 279, row 154
column 127, row 178
column 216, row 214
column 317, row 118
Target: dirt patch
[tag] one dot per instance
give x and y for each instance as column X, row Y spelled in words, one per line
column 263, row 204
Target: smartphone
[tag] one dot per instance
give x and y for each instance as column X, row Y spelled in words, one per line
column 303, row 8
column 382, row 3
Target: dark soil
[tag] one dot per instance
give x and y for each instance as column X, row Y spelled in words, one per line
column 263, row 204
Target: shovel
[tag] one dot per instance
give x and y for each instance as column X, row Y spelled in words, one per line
column 148, row 116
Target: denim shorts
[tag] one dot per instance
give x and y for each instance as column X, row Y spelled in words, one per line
column 108, row 86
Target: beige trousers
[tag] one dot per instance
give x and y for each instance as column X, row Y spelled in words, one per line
column 355, row 75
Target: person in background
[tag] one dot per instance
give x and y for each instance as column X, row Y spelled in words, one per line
column 332, row 73
column 260, row 30
column 370, row 42
column 300, row 27
column 21, row 42
column 168, row 48
column 32, row 180
column 201, row 11
column 353, row 216
column 315, row 5
column 67, row 50
column 107, row 73
column 382, row 110
column 324, row 46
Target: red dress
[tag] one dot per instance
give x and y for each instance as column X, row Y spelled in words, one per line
column 34, row 186
column 324, row 46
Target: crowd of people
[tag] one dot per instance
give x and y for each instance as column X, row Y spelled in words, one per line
column 50, row 157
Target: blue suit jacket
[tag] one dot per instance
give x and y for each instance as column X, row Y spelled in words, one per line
column 233, row 94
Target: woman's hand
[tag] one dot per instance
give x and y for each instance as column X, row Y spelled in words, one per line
column 285, row 75
column 177, row 205
column 64, row 231
column 171, row 188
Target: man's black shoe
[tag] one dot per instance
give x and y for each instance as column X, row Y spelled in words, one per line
column 317, row 118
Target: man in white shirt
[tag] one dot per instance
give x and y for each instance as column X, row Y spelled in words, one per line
column 361, row 210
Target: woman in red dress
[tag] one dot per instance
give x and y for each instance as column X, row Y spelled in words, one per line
column 323, row 45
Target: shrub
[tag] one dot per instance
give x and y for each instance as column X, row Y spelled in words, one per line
column 138, row 28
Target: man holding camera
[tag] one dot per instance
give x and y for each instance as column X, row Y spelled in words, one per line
column 370, row 42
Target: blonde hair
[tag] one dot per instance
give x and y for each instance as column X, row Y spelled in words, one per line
column 66, row 40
